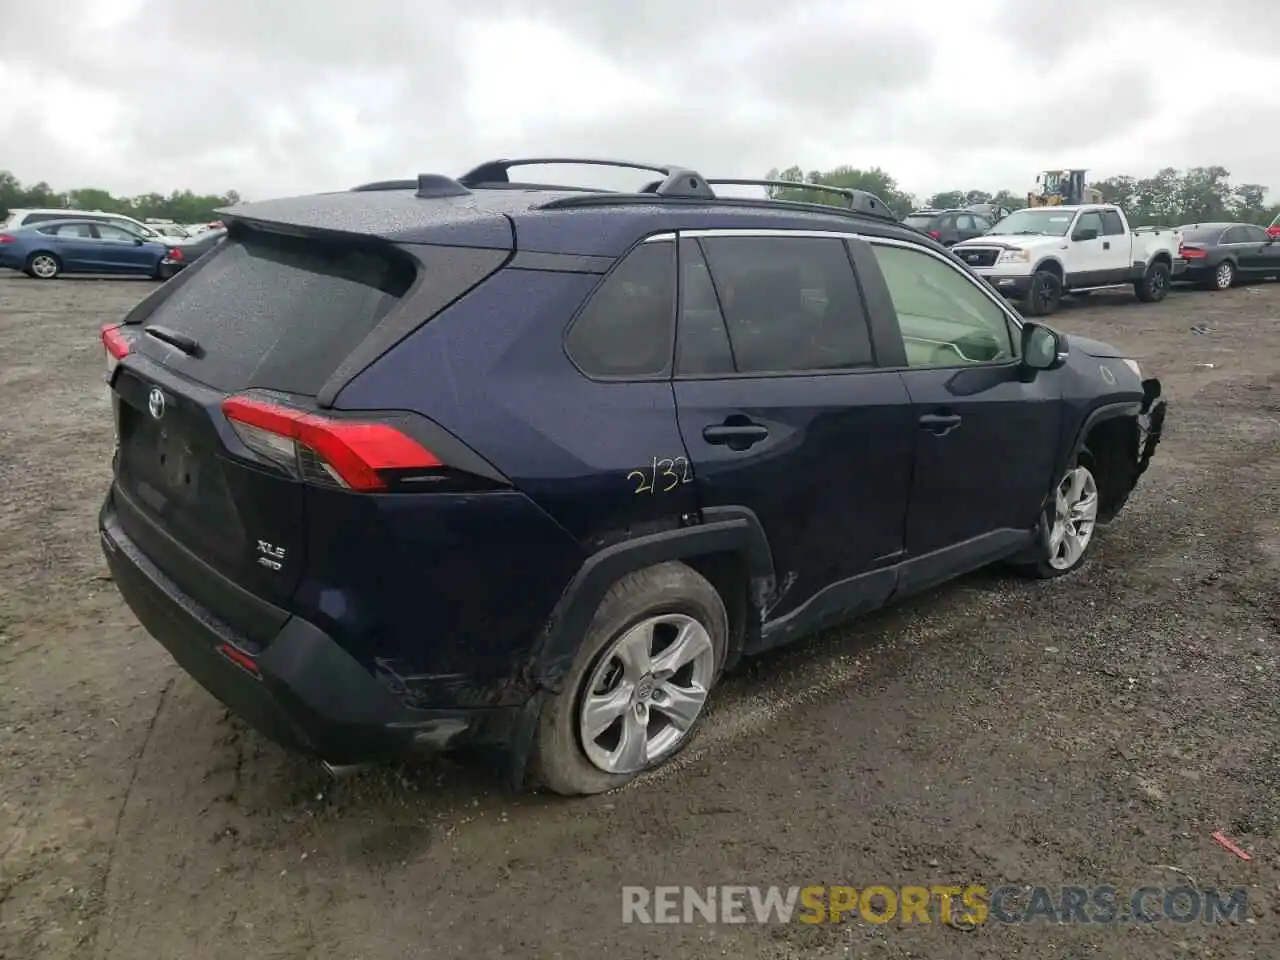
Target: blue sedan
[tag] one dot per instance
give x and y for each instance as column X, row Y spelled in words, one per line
column 49, row 249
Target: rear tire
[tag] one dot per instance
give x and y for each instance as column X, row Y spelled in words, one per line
column 1224, row 276
column 1154, row 285
column 43, row 266
column 1044, row 295
column 642, row 614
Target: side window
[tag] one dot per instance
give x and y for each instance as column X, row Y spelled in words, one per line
column 702, row 342
column 981, row 224
column 107, row 232
column 1254, row 234
column 625, row 330
column 791, row 304
column 1089, row 221
column 945, row 317
column 965, row 221
column 1112, row 225
column 1233, row 235
column 78, row 230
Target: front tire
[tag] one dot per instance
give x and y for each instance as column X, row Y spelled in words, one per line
column 1044, row 295
column 43, row 266
column 638, row 688
column 1070, row 522
column 1154, row 285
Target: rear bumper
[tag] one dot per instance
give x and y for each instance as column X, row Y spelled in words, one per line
column 302, row 689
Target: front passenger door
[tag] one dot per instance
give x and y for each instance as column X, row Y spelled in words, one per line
column 120, row 252
column 786, row 415
column 986, row 442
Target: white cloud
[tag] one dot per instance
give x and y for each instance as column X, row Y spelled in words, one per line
column 271, row 98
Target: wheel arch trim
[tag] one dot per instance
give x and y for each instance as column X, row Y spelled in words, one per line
column 724, row 530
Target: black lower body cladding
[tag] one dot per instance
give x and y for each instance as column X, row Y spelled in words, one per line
column 302, row 690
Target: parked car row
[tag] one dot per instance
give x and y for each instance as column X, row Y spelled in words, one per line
column 1040, row 254
column 45, row 246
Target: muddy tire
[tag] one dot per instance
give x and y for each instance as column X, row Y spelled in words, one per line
column 1154, row 285
column 653, row 652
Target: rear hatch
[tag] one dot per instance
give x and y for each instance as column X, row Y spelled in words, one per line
column 218, row 431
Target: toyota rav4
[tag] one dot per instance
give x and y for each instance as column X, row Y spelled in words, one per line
column 459, row 462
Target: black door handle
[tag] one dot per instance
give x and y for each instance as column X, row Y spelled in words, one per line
column 1106, row 244
column 938, row 423
column 736, row 436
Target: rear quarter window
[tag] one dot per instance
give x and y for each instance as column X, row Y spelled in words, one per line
column 278, row 313
column 626, row 329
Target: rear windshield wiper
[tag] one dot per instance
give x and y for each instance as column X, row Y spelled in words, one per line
column 188, row 345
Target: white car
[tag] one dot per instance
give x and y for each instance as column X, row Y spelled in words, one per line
column 25, row 218
column 1039, row 254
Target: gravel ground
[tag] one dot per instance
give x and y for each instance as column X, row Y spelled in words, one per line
column 1094, row 730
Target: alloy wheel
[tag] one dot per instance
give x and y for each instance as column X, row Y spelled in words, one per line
column 646, row 693
column 44, row 266
column 1075, row 515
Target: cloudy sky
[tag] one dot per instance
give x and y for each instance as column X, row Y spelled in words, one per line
column 270, row 97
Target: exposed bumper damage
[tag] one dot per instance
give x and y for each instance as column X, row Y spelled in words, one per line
column 1150, row 423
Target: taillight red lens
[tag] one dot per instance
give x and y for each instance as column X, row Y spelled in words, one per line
column 935, row 234
column 6, row 238
column 1191, row 253
column 176, row 255
column 116, row 345
column 343, row 453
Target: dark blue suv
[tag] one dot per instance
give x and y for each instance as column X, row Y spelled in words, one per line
column 444, row 463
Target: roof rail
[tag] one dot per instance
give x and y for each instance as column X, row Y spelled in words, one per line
column 859, row 200
column 677, row 182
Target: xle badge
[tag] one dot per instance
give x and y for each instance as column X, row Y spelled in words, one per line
column 270, row 556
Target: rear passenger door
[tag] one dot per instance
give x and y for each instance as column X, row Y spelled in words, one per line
column 986, row 442
column 76, row 245
column 785, row 414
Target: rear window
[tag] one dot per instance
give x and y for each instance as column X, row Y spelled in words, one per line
column 1201, row 234
column 919, row 222
column 278, row 313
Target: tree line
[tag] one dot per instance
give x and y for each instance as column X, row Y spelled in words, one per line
column 1169, row 196
column 182, row 206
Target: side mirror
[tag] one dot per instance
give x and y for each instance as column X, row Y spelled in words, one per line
column 1042, row 347
column 1087, row 234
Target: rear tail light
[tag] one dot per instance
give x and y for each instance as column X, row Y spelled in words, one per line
column 175, row 255
column 1191, row 253
column 116, row 345
column 935, row 234
column 346, row 454
column 6, row 238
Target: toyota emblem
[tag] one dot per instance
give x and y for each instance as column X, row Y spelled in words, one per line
column 155, row 403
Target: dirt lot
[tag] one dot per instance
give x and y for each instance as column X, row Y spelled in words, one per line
column 1095, row 730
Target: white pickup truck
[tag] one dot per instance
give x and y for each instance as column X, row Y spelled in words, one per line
column 1039, row 254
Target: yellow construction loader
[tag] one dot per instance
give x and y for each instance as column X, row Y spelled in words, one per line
column 1057, row 187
